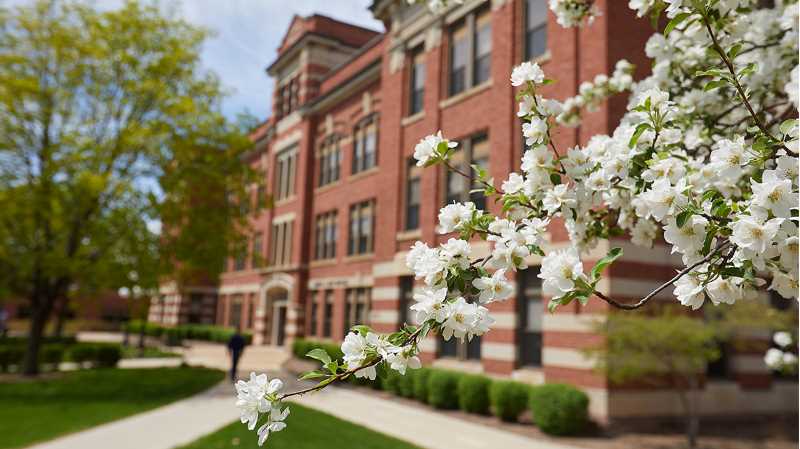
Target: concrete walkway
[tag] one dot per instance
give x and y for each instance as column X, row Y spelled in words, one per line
column 167, row 427
column 425, row 428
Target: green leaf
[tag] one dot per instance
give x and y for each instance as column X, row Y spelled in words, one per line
column 682, row 217
column 675, row 22
column 613, row 254
column 734, row 51
column 319, row 354
column 787, row 126
column 638, row 133
column 312, row 375
column 715, row 84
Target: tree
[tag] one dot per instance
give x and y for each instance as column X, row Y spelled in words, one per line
column 654, row 349
column 107, row 124
column 705, row 158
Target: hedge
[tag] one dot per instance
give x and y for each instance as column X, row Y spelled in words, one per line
column 176, row 334
column 301, row 347
column 99, row 354
column 405, row 385
column 473, row 394
column 420, row 378
column 443, row 389
column 508, row 399
column 559, row 409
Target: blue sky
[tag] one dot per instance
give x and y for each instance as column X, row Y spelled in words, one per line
column 248, row 33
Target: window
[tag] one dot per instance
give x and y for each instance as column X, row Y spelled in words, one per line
column 281, row 243
column 461, row 350
column 285, row 168
column 325, row 236
column 356, row 306
column 256, row 258
column 362, row 217
column 251, row 312
column 240, row 259
column 261, row 197
column 535, row 28
column 413, row 179
column 195, row 308
column 417, row 81
column 235, row 319
column 327, row 317
column 472, row 151
column 288, row 97
column 365, row 144
column 406, row 297
column 470, row 51
column 328, row 161
column 312, row 322
column 529, row 317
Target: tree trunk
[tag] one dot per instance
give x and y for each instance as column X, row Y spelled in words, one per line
column 35, row 333
column 61, row 317
column 690, row 411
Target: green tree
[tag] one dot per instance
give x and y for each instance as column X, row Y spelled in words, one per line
column 108, row 124
column 656, row 349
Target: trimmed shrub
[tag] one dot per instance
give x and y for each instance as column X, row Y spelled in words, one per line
column 172, row 336
column 11, row 355
column 301, row 347
column 559, row 409
column 51, row 354
column 508, row 399
column 391, row 382
column 82, row 352
column 421, row 384
column 406, row 383
column 107, row 356
column 443, row 389
column 473, row 394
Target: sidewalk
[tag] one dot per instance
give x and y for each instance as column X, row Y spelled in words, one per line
column 424, row 428
column 163, row 428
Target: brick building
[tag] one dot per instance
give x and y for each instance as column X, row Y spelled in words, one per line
column 349, row 105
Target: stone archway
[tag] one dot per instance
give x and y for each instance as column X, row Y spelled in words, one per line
column 275, row 294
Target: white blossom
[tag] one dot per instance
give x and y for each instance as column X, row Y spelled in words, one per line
column 493, row 288
column 527, row 72
column 559, row 271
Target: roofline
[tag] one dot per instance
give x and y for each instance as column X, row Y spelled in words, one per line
column 370, row 73
column 364, row 48
column 297, row 43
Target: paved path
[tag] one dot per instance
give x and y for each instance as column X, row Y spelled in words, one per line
column 163, row 428
column 425, row 428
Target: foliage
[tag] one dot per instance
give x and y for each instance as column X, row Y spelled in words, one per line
column 473, row 394
column 109, row 125
column 559, row 409
column 421, row 379
column 443, row 389
column 508, row 399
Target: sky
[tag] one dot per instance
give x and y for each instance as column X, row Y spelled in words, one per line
column 248, row 32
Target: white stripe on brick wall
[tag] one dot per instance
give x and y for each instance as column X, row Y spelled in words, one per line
column 566, row 358
column 384, row 316
column 428, row 345
column 239, row 288
column 504, row 320
column 584, row 322
column 384, row 293
column 637, row 288
column 498, row 351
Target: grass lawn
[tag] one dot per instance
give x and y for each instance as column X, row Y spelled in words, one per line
column 306, row 429
column 33, row 411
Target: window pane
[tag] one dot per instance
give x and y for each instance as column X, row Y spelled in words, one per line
column 459, row 59
column 536, row 42
column 483, row 49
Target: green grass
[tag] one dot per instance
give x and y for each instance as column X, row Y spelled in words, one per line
column 33, row 411
column 306, row 429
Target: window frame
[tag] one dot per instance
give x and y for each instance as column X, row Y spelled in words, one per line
column 285, row 173
column 529, row 344
column 353, row 298
column 528, row 30
column 467, row 31
column 361, row 132
column 325, row 235
column 329, row 160
column 281, row 234
column 466, row 156
column 357, row 231
column 417, row 69
column 413, row 180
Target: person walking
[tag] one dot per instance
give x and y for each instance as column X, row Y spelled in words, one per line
column 236, row 346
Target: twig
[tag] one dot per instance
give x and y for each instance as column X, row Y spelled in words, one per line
column 652, row 294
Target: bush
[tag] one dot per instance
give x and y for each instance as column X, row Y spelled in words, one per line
column 443, row 389
column 473, row 394
column 107, row 356
column 421, row 377
column 173, row 336
column 508, row 399
column 51, row 354
column 301, row 347
column 559, row 409
column 391, row 382
column 11, row 355
column 82, row 352
column 406, row 383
